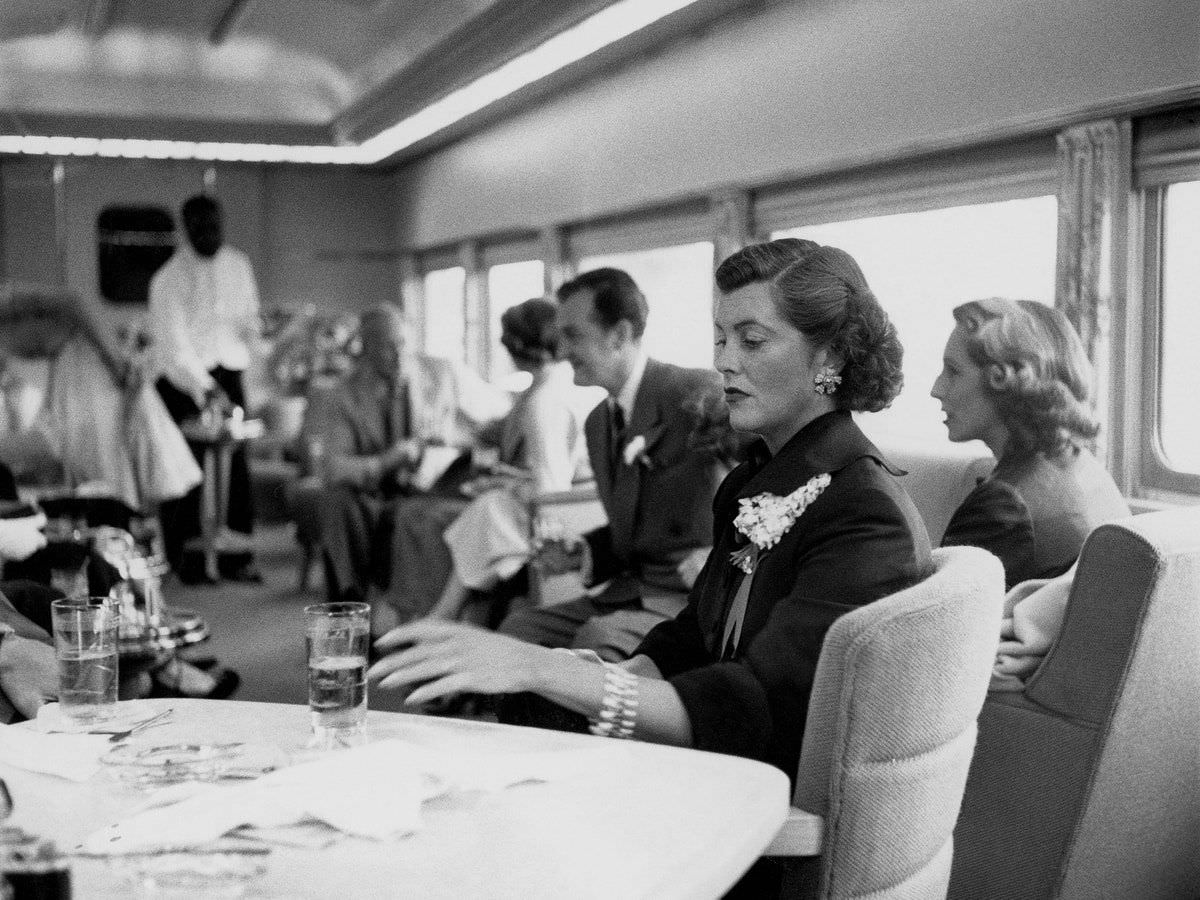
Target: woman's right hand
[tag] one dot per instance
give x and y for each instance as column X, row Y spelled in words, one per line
column 445, row 658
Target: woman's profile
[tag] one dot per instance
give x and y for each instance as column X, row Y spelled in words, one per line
column 1015, row 376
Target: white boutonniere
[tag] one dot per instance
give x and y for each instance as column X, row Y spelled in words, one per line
column 635, row 451
column 765, row 518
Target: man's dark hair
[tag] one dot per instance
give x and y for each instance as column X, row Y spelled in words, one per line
column 615, row 298
column 200, row 205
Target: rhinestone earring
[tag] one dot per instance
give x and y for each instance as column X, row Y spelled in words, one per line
column 826, row 381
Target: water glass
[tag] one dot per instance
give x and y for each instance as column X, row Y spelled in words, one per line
column 85, row 644
column 337, row 636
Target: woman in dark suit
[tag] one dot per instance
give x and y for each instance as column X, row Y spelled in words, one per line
column 1015, row 375
column 812, row 526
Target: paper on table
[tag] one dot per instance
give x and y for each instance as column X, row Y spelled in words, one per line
column 374, row 791
column 72, row 756
column 435, row 460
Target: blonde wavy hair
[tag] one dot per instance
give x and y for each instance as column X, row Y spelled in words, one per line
column 1036, row 371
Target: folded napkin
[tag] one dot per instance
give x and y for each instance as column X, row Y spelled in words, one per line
column 375, row 791
column 1032, row 618
column 72, row 756
column 127, row 714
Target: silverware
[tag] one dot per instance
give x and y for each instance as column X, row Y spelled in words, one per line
column 145, row 723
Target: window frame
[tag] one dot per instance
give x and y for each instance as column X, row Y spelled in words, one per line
column 1154, row 468
column 1166, row 151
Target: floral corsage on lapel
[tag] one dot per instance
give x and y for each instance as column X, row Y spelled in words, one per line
column 765, row 518
column 637, row 451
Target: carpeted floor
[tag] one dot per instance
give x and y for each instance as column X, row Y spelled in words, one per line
column 258, row 629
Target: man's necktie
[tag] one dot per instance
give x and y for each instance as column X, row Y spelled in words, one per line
column 617, row 425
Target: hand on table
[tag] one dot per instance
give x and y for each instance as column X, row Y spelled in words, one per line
column 443, row 658
column 21, row 538
column 555, row 550
column 405, row 453
column 28, row 673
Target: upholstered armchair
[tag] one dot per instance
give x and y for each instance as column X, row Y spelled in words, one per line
column 889, row 736
column 1086, row 785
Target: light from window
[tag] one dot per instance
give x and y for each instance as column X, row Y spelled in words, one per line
column 1179, row 423
column 677, row 282
column 921, row 265
column 509, row 284
column 445, row 319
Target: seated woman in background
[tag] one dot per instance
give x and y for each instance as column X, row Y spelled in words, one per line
column 541, row 450
column 812, row 526
column 1015, row 376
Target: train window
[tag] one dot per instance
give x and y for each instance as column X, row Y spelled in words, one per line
column 1178, row 424
column 133, row 243
column 507, row 285
column 923, row 264
column 677, row 282
column 445, row 318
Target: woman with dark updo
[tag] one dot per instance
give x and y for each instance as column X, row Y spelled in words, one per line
column 1016, row 377
column 541, row 451
column 813, row 525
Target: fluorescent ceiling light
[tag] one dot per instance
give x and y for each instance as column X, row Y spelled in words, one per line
column 594, row 33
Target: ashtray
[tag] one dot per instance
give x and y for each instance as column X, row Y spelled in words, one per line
column 165, row 764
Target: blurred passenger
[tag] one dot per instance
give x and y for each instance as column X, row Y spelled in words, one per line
column 26, row 592
column 655, row 484
column 203, row 327
column 541, row 451
column 72, row 401
column 1015, row 376
column 399, row 410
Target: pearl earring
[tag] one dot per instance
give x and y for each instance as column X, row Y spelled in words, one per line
column 826, row 381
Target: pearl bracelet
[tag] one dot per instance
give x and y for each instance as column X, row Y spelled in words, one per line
column 618, row 708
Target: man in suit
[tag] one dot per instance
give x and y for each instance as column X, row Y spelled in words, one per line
column 654, row 479
column 377, row 427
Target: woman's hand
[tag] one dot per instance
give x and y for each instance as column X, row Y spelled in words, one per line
column 450, row 658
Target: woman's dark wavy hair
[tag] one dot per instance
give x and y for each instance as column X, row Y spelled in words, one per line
column 528, row 332
column 822, row 292
column 1036, row 371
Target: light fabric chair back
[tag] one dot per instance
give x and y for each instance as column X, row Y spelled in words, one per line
column 891, row 727
column 1087, row 784
column 940, row 475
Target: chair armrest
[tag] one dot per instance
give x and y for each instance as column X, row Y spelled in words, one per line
column 802, row 834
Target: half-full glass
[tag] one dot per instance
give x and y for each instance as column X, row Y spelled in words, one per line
column 85, row 644
column 337, row 636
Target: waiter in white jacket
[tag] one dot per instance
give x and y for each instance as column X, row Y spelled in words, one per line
column 204, row 321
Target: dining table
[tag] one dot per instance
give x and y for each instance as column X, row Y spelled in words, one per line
column 636, row 820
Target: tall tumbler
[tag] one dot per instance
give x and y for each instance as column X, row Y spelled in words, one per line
column 85, row 644
column 337, row 636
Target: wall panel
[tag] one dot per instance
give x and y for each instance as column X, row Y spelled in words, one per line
column 795, row 89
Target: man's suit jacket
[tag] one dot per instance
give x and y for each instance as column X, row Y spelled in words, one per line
column 861, row 539
column 659, row 502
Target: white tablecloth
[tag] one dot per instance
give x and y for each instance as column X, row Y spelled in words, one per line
column 656, row 822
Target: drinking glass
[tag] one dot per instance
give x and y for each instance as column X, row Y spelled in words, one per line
column 337, row 636
column 85, row 644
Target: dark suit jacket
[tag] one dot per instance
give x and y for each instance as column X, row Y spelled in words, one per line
column 860, row 540
column 660, row 508
column 1036, row 513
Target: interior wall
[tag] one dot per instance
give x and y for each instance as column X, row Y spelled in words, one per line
column 798, row 88
column 314, row 235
